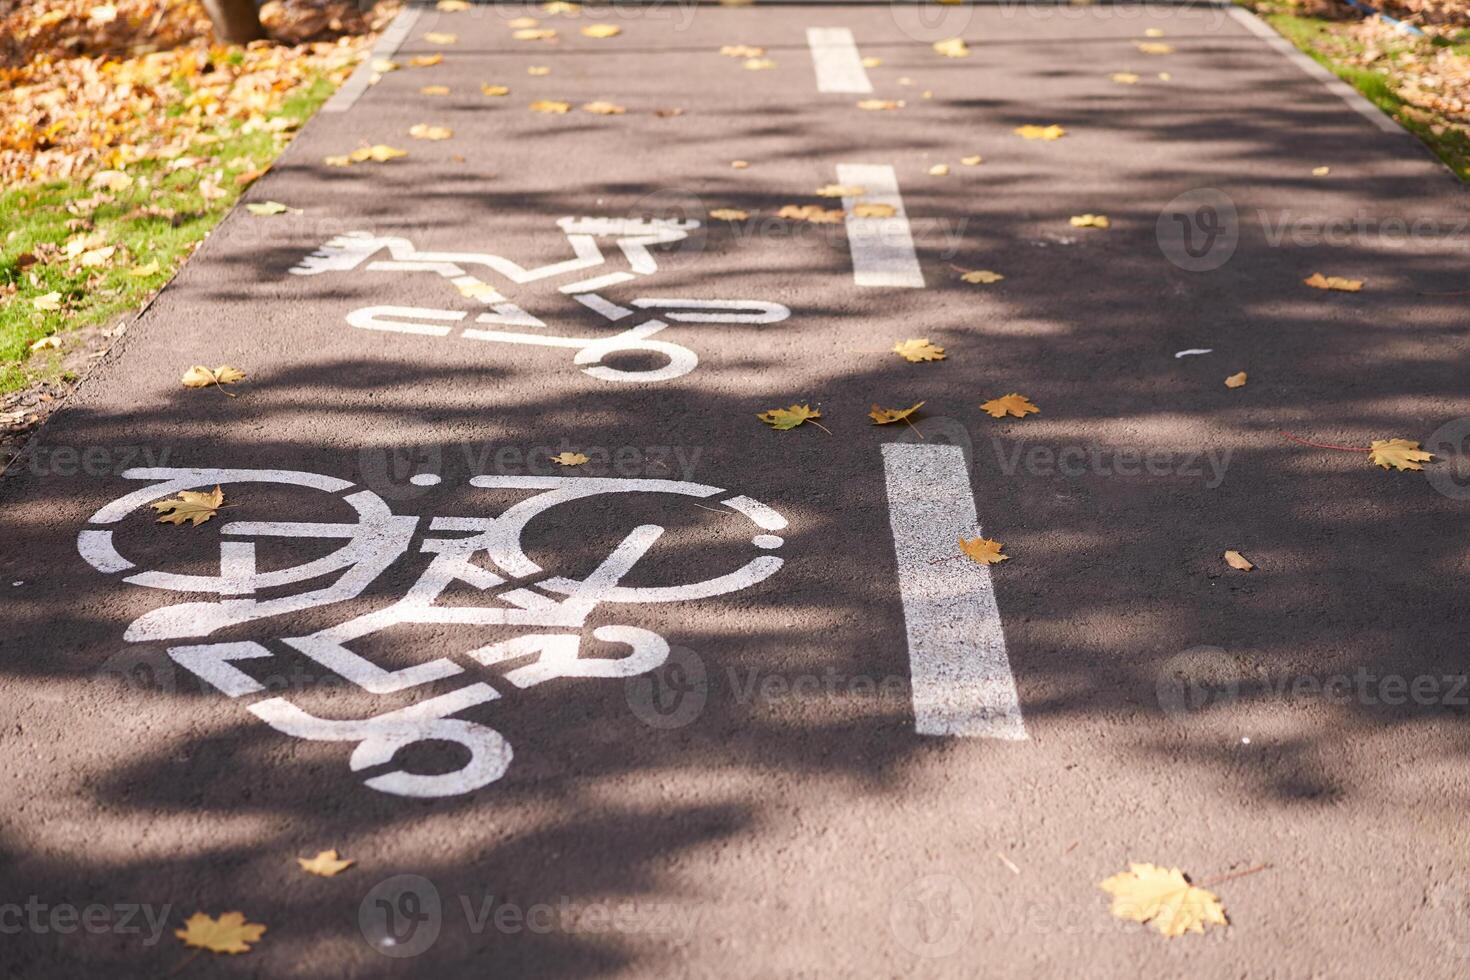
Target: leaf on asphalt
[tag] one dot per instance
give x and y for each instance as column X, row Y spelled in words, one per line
column 1013, row 404
column 49, row 302
column 1236, row 380
column 535, row 34
column 952, row 47
column 729, row 214
column 841, row 190
column 1238, row 561
column 521, row 23
column 561, row 7
column 881, row 105
column 230, row 933
column 739, row 164
column 495, row 90
column 538, row 70
column 1149, row 893
column 972, row 161
column 440, row 37
column 939, row 170
column 451, row 6
column 874, row 211
column 1153, row 32
column 425, row 60
column 267, row 208
column 758, row 64
column 1034, row 132
column 1124, row 77
column 917, row 350
column 983, row 551
column 112, row 180
column 475, row 289
column 742, row 51
column 872, row 62
column 194, row 506
column 604, row 109
column 1401, row 454
column 782, row 419
column 46, row 343
column 551, row 106
column 601, row 30
column 981, row 276
column 1321, row 171
column 200, row 376
column 1155, row 47
column 423, row 131
column 813, row 213
column 887, row 416
column 1318, row 281
column 569, row 459
column 668, row 113
column 1090, row 221
column 327, row 864
column 378, row 153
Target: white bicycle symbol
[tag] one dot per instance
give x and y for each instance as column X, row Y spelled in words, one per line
column 373, row 542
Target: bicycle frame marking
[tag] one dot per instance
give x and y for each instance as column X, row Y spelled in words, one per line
column 555, row 608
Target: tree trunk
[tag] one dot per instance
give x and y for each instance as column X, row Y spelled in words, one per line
column 235, row 21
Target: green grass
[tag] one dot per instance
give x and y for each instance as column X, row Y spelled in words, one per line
column 33, row 215
column 1329, row 47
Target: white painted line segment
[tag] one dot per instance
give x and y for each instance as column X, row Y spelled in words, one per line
column 959, row 672
column 882, row 248
column 361, row 78
column 837, row 62
column 1333, row 84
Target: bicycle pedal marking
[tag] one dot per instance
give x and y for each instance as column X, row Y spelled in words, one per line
column 633, row 237
column 553, row 610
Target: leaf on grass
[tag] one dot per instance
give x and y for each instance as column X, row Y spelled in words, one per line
column 46, row 343
column 758, row 64
column 113, row 180
column 729, row 214
column 265, row 208
column 47, row 303
column 1124, row 77
column 538, row 70
column 874, row 211
column 881, row 105
column 440, row 37
column 94, row 257
column 952, row 47
column 200, row 376
column 569, row 459
column 1090, row 221
column 782, row 419
column 604, row 109
column 1149, row 893
column 887, row 416
column 1033, row 132
column 1236, row 380
column 551, row 107
column 423, row 131
column 1401, row 454
column 983, row 276
column 194, row 506
column 230, row 933
column 813, row 213
column 983, row 551
column 916, row 350
column 939, row 170
column 143, row 271
column 1318, row 281
column 1013, row 404
column 1155, row 47
column 601, row 30
column 495, row 90
column 425, row 60
column 1238, row 561
column 327, row 864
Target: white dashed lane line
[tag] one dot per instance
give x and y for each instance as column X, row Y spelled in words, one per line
column 882, row 248
column 836, row 59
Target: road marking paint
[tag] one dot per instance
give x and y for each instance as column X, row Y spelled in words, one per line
column 1193, row 350
column 882, row 248
column 1330, row 81
column 837, row 62
column 960, row 675
column 362, row 77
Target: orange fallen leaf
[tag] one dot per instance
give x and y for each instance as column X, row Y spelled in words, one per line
column 983, row 551
column 1236, row 380
column 1238, row 561
column 327, row 864
column 230, row 933
column 1013, row 404
column 1318, row 281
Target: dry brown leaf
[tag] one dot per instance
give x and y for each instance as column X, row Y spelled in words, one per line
column 48, row 303
column 569, row 459
column 1401, row 454
column 1318, row 281
column 1236, row 380
column 887, row 416
column 46, row 343
column 1238, row 561
column 230, row 933
column 812, row 213
column 783, row 419
column 1013, row 404
column 1149, row 893
column 194, row 506
column 916, row 350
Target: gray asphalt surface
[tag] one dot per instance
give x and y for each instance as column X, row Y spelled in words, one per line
column 760, row 804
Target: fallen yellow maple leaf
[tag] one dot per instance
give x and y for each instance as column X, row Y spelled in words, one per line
column 1153, row 32
column 841, row 190
column 327, row 864
column 603, row 109
column 783, row 419
column 741, row 51
column 451, row 6
column 1318, row 281
column 1149, row 893
column 194, row 506
column 538, row 70
column 434, row 90
column 561, row 7
column 1401, row 454
column 1013, row 404
column 551, row 107
column 1236, row 380
column 94, row 257
column 1321, row 171
column 758, row 64
column 1124, row 77
column 1155, row 47
column 535, row 34
column 200, row 376
column 813, row 213
column 1238, row 561
column 915, row 350
column 569, row 459
column 939, row 170
column 230, row 933
column 267, row 208
column 1090, row 221
column 519, row 23
column 1034, row 132
column 729, row 214
column 984, row 276
column 881, row 105
column 423, row 131
column 601, row 30
column 440, row 37
column 739, row 164
column 384, row 65
column 872, row 62
column 983, row 550
column 46, row 343
column 113, row 180
column 425, row 60
column 494, row 89
column 145, row 270
column 952, row 47
column 472, row 288
column 887, row 416
column 870, row 210
column 50, row 302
